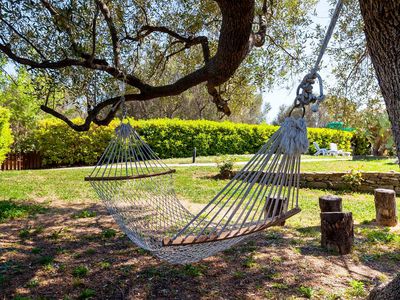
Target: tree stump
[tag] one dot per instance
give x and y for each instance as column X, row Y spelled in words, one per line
column 385, row 207
column 269, row 209
column 337, row 232
column 330, row 203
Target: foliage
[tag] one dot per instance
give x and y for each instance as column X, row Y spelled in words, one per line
column 378, row 131
column 225, row 165
column 357, row 288
column 360, row 143
column 6, row 138
column 353, row 178
column 84, row 214
column 325, row 136
column 19, row 96
column 60, row 145
column 155, row 57
column 306, row 291
column 80, row 271
column 10, row 209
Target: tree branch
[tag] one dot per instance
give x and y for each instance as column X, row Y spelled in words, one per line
column 113, row 31
column 24, row 38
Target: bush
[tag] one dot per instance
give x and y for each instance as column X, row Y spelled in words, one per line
column 360, row 144
column 60, row 145
column 6, row 138
column 325, row 136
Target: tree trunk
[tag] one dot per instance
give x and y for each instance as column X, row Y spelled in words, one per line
column 330, row 203
column 382, row 31
column 337, row 233
column 390, row 291
column 385, row 207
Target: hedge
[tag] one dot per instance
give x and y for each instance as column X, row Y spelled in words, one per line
column 6, row 138
column 60, row 145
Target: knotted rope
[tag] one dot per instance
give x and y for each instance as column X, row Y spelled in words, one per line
column 304, row 93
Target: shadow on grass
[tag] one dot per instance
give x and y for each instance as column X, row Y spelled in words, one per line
column 76, row 250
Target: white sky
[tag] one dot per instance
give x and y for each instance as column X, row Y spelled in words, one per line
column 283, row 95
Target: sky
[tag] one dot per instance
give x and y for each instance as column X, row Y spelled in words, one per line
column 283, row 95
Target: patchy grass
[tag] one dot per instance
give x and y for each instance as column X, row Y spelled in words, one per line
column 306, row 291
column 11, row 209
column 72, row 249
column 80, row 271
column 370, row 165
column 84, row 214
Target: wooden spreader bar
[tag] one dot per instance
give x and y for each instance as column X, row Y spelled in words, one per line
column 193, row 239
column 114, row 178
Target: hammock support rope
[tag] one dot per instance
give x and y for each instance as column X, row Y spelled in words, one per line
column 137, row 188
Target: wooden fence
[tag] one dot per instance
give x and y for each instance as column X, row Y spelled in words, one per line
column 22, row 161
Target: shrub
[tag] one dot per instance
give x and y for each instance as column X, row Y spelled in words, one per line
column 6, row 138
column 60, row 145
column 353, row 178
column 225, row 165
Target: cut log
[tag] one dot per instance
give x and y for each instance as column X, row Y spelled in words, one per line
column 337, row 231
column 330, row 203
column 270, row 207
column 385, row 207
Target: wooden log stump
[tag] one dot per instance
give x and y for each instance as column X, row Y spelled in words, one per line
column 337, row 231
column 269, row 209
column 385, row 207
column 330, row 203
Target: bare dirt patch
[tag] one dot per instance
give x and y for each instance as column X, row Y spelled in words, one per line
column 75, row 250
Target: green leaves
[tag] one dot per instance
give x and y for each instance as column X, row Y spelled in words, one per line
column 6, row 138
column 60, row 145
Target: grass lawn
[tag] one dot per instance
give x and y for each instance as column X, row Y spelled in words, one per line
column 57, row 241
column 310, row 163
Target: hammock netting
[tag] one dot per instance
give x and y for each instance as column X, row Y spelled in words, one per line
column 137, row 189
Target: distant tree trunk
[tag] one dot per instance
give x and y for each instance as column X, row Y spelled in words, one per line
column 382, row 31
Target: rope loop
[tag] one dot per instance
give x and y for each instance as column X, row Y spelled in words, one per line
column 304, row 93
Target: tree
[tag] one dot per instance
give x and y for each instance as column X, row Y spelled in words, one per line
column 78, row 43
column 318, row 119
column 19, row 96
column 382, row 31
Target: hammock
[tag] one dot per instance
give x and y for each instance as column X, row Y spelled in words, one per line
column 137, row 189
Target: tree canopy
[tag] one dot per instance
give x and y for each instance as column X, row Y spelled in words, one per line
column 86, row 47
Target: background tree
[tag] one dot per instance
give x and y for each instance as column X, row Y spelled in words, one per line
column 86, row 46
column 80, row 43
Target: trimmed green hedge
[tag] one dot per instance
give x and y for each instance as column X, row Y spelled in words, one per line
column 6, row 138
column 61, row 145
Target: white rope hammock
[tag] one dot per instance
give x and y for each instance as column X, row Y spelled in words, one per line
column 137, row 189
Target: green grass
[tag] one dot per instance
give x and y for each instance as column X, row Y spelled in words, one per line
column 378, row 165
column 11, row 209
column 235, row 157
column 80, row 271
column 311, row 163
column 84, row 214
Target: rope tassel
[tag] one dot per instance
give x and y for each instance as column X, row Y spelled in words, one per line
column 294, row 136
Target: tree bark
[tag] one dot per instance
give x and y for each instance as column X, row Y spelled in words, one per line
column 382, row 31
column 385, row 207
column 330, row 203
column 337, row 233
column 390, row 291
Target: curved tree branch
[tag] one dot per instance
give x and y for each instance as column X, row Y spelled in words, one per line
column 235, row 41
